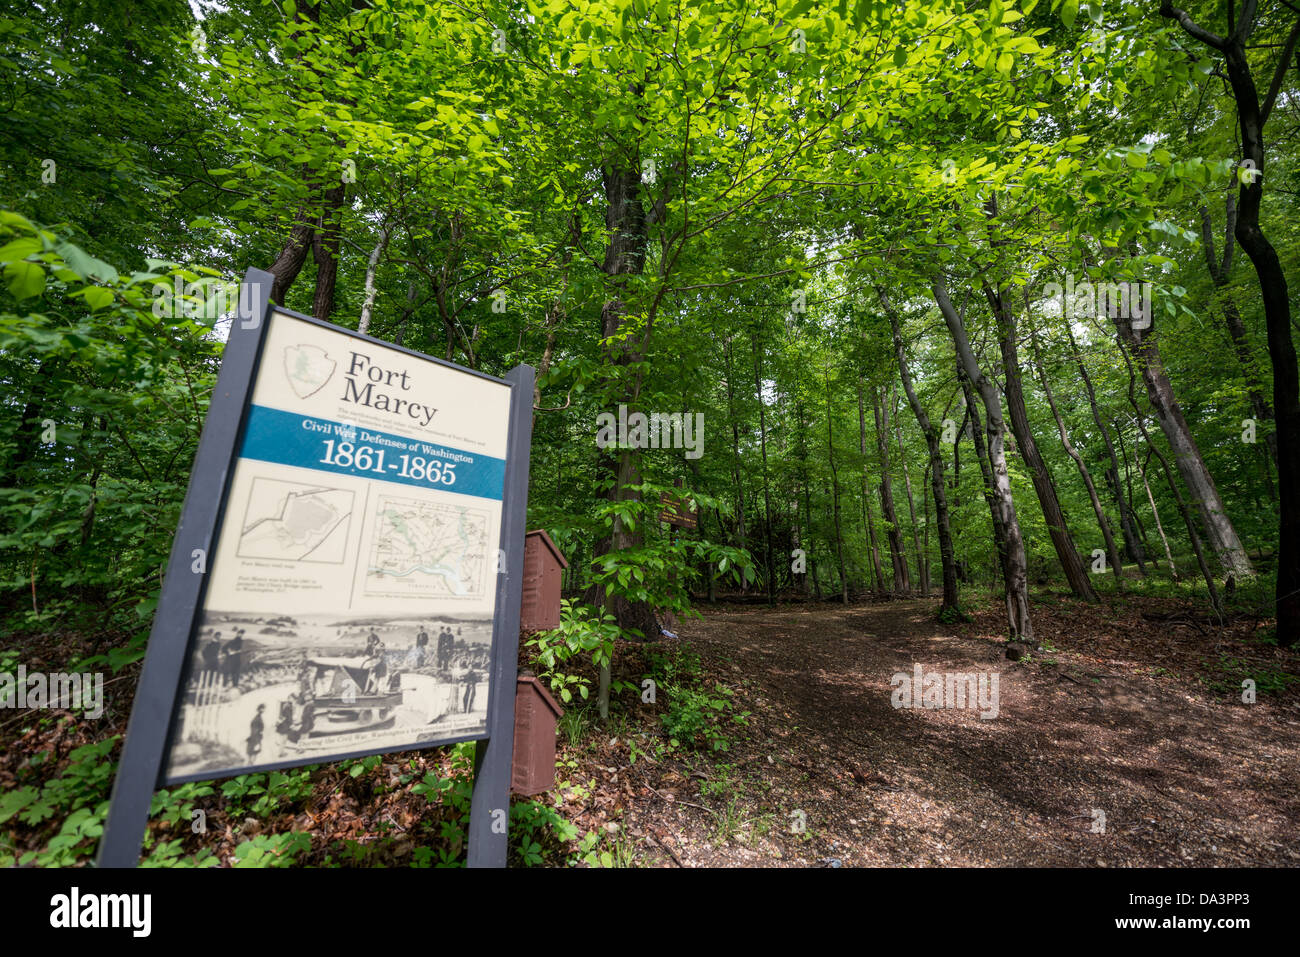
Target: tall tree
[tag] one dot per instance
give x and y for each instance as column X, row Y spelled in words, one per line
column 950, row 604
column 1252, row 114
column 1016, row 566
column 1057, row 528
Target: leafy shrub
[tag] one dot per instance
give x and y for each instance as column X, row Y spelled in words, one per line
column 582, row 633
column 79, row 795
column 698, row 715
column 272, row 850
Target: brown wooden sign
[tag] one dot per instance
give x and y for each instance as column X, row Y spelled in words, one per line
column 536, row 712
column 543, row 564
column 677, row 510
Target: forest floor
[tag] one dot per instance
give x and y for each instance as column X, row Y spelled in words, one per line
column 773, row 741
column 1124, row 743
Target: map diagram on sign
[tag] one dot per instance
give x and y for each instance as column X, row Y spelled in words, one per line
column 291, row 521
column 424, row 549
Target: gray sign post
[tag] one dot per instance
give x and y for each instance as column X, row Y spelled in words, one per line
column 144, row 751
column 489, row 812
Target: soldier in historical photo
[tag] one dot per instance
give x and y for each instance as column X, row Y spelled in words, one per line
column 255, row 730
column 444, row 648
column 375, row 664
column 419, row 651
column 211, row 653
column 231, row 658
column 471, row 689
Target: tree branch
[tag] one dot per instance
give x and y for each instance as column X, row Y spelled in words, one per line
column 1169, row 11
column 1276, row 86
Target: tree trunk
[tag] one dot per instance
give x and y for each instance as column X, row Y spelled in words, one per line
column 288, row 263
column 767, row 497
column 625, row 253
column 1219, row 270
column 1251, row 117
column 1016, row 569
column 810, row 582
column 325, row 252
column 1187, row 455
column 735, row 449
column 1057, row 528
column 950, row 604
column 835, row 491
column 892, row 533
column 911, row 504
column 1169, row 556
column 372, row 268
column 1133, row 547
column 986, row 470
column 1128, row 483
column 877, row 574
column 1103, row 523
column 1183, row 509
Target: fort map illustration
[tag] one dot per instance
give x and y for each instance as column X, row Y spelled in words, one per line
column 292, row 521
column 429, row 549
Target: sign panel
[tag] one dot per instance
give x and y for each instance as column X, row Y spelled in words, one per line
column 676, row 511
column 353, row 582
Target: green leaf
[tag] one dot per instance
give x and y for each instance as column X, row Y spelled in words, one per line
column 97, row 297
column 25, row 279
column 19, row 249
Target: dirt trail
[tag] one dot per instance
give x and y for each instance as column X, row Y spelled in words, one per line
column 1113, row 724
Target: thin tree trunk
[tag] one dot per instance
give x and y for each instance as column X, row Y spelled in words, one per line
column 1219, row 270
column 986, row 472
column 867, row 522
column 835, row 491
column 1169, row 556
column 767, row 497
column 735, row 449
column 325, row 251
column 950, row 604
column 911, row 504
column 925, row 534
column 1057, row 527
column 1103, row 523
column 1016, row 567
column 893, row 535
column 954, row 486
column 810, row 581
column 371, row 290
column 1133, row 547
column 1128, row 483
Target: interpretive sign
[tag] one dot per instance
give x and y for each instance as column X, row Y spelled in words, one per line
column 350, row 596
column 677, row 509
column 348, row 592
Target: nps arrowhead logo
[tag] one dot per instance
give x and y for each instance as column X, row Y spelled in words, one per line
column 307, row 368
